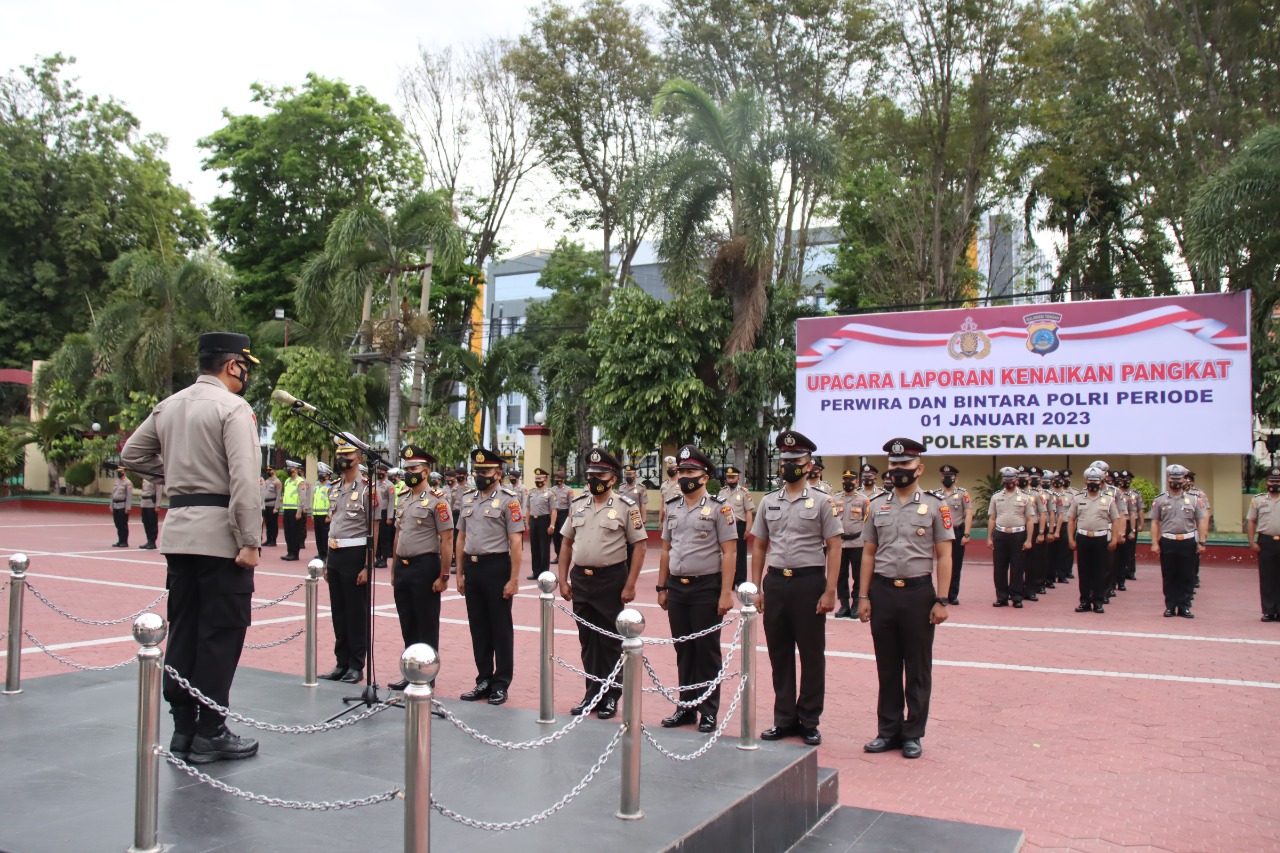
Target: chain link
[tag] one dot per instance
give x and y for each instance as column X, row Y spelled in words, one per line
column 542, row 815
column 4, row 586
column 542, row 741
column 262, row 799
column 99, row 622
column 711, row 741
column 80, row 666
column 672, row 694
column 583, row 673
column 311, row 729
column 576, row 618
column 280, row 642
column 648, row 641
column 281, row 599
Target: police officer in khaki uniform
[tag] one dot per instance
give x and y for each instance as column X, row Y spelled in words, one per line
column 150, row 516
column 564, row 496
column 352, row 534
column 1038, row 578
column 423, row 547
column 628, row 488
column 386, row 516
column 542, row 520
column 1179, row 526
column 459, row 492
column 1126, row 550
column 669, row 489
column 961, row 506
column 270, row 489
column 1203, row 497
column 910, row 531
column 1263, row 526
column 121, row 503
column 599, row 580
column 695, row 582
column 490, row 546
column 815, row 478
column 739, row 499
column 204, row 442
column 852, row 508
column 870, row 488
column 1011, row 526
column 1094, row 528
column 513, row 480
column 797, row 536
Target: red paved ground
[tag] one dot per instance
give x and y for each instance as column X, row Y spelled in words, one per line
column 1090, row 733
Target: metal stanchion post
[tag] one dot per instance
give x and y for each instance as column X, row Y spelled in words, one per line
column 419, row 665
column 546, row 653
column 149, row 630
column 313, row 604
column 17, row 592
column 631, row 625
column 747, row 593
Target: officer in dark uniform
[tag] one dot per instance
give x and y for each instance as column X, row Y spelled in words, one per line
column 961, row 506
column 490, row 544
column 910, row 532
column 695, row 582
column 738, row 497
column 542, row 520
column 204, row 441
column 797, row 536
column 1039, row 579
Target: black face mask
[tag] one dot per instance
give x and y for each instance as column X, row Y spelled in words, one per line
column 1058, row 484
column 849, row 485
column 559, row 482
column 540, row 483
column 483, row 481
column 243, row 376
column 345, row 464
column 671, row 472
column 515, row 480
column 1093, row 487
column 948, row 480
column 792, row 472
column 1022, row 482
column 869, row 482
column 903, row 477
column 412, row 479
column 1008, row 485
column 1035, row 482
column 630, row 478
column 689, row 485
column 597, row 485
column 1273, row 488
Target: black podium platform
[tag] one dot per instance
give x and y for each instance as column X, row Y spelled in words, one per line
column 67, row 764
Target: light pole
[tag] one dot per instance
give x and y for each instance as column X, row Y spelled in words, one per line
column 280, row 315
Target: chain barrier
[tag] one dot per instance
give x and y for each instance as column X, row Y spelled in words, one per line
column 711, row 741
column 281, row 599
column 672, row 694
column 648, row 641
column 4, row 586
column 66, row 662
column 583, row 673
column 99, row 622
column 542, row 741
column 311, row 729
column 262, row 799
column 280, row 642
column 542, row 815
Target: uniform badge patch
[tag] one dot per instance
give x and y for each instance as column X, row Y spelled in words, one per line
column 727, row 512
column 636, row 521
column 514, row 506
column 946, row 516
column 442, row 511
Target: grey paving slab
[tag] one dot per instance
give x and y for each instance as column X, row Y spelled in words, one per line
column 856, row 830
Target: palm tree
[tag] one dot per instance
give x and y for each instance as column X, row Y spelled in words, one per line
column 501, row 370
column 367, row 253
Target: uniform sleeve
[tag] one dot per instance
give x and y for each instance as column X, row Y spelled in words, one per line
column 1031, row 512
column 635, row 526
column 515, row 515
column 443, row 514
column 748, row 502
column 566, row 529
column 728, row 526
column 869, row 531
column 831, row 525
column 759, row 529
column 1113, row 510
column 1252, row 514
column 128, row 494
column 1201, row 511
column 1071, row 511
column 943, row 524
column 142, row 450
column 240, row 438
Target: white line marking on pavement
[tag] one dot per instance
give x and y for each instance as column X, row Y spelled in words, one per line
column 1094, row 632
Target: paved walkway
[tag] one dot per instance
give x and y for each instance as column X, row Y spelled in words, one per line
column 1121, row 731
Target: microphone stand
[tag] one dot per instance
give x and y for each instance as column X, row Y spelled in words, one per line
column 369, row 696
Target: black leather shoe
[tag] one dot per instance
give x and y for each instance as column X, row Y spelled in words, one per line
column 120, row 545
column 1186, row 613
column 1268, row 617
column 335, row 674
column 882, row 744
column 1071, row 576
column 1050, row 585
column 1031, row 597
column 498, row 697
column 531, row 578
column 707, row 723
column 608, row 708
column 398, row 685
column 1041, row 590
column 1121, row 587
column 351, row 676
column 999, row 604
column 1169, row 611
column 180, row 745
column 843, row 613
column 290, row 558
column 577, row 710
column 1097, row 608
column 779, row 732
column 148, row 546
column 812, row 737
column 475, row 694
column 1085, row 608
column 912, row 749
column 224, row 746
column 682, row 717
column 953, row 601
column 380, row 564
column 1018, row 604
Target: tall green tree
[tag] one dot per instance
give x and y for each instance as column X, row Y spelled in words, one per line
column 326, row 381
column 503, row 369
column 287, row 174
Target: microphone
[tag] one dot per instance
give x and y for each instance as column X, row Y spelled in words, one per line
column 281, row 396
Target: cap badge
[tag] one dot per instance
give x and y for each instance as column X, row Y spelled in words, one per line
column 897, row 447
column 595, row 456
column 789, row 441
column 684, row 454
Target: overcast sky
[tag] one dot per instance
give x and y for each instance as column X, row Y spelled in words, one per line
column 177, row 66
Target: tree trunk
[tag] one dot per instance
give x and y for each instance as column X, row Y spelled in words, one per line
column 366, row 331
column 415, row 390
column 394, row 370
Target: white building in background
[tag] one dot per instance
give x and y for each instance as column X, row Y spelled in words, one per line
column 1009, row 262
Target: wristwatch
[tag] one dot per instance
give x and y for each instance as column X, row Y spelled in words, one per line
column 941, row 601
column 660, row 588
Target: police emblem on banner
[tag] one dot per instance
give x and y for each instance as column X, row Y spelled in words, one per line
column 969, row 342
column 1042, row 332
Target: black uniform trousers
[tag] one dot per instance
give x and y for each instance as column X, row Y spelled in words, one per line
column 792, row 623
column 1063, row 556
column 1009, row 564
column 1130, row 560
column 272, row 525
column 386, row 537
column 556, row 536
column 1092, row 556
column 1037, row 565
column 417, row 604
column 850, row 571
column 209, row 613
column 692, row 607
column 493, row 635
column 295, row 531
column 349, row 606
column 151, row 524
column 321, row 524
column 1178, row 570
column 903, row 640
column 740, row 567
column 957, row 563
column 121, row 518
column 540, row 543
column 597, row 598
column 1268, row 574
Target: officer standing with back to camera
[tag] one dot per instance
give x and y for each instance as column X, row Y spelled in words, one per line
column 910, row 533
column 421, row 553
column 1094, row 529
column 852, row 508
column 595, row 574
column 542, row 520
column 739, row 499
column 961, row 506
column 270, row 489
column 695, row 583
column 351, row 536
column 150, row 517
column 1179, row 525
column 797, row 536
column 121, row 503
column 203, row 442
column 1011, row 525
column 1263, row 527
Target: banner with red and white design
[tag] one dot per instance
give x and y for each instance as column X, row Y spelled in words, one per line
column 1161, row 375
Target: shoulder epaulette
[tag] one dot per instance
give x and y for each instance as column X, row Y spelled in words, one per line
column 437, row 491
column 580, row 497
column 717, row 499
column 626, row 500
column 676, row 498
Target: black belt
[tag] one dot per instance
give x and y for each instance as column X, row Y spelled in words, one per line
column 404, row 561
column 903, row 583
column 685, row 580
column 475, row 558
column 591, row 570
column 179, row 501
column 849, row 537
column 802, row 570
